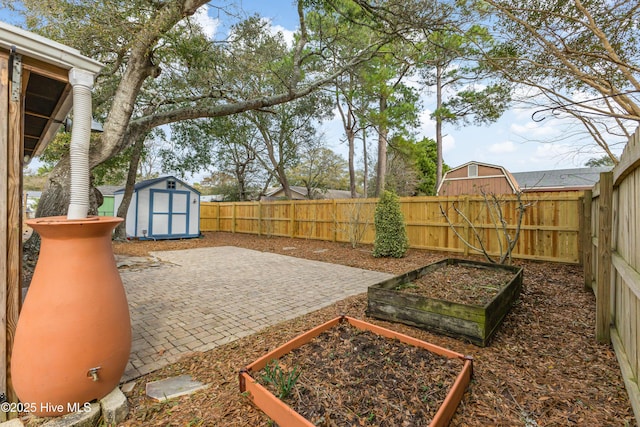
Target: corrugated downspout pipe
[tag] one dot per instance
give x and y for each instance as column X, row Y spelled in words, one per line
column 82, row 82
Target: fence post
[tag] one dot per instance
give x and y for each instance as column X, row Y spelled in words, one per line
column 218, row 217
column 335, row 220
column 293, row 217
column 233, row 218
column 467, row 229
column 603, row 291
column 259, row 218
column 587, row 244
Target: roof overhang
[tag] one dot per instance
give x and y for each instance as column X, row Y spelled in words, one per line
column 40, row 48
column 46, row 88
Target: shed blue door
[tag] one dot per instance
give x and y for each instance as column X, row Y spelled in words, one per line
column 169, row 213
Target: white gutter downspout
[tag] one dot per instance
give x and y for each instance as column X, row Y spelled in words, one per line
column 82, row 82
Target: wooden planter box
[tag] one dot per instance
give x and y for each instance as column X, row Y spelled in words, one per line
column 474, row 323
column 284, row 415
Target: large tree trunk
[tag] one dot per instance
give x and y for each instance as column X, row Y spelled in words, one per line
column 438, row 128
column 55, row 196
column 54, row 201
column 365, row 183
column 351, row 139
column 383, row 133
column 120, row 233
column 282, row 178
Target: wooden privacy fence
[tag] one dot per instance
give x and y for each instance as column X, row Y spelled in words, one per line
column 612, row 261
column 551, row 227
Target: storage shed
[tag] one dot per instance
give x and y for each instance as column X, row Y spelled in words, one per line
column 106, row 208
column 476, row 178
column 162, row 208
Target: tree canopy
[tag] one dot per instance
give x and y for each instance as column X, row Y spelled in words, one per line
column 161, row 68
column 246, row 103
column 580, row 56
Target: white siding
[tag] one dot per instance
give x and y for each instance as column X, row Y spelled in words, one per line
column 173, row 213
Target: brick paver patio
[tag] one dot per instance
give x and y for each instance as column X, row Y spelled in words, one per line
column 198, row 299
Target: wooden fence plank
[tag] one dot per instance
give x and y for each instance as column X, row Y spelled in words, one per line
column 550, row 230
column 603, row 292
column 4, row 100
column 587, row 247
column 630, row 380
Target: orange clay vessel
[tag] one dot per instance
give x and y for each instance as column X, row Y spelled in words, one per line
column 73, row 336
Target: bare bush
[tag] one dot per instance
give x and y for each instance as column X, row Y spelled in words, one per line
column 506, row 240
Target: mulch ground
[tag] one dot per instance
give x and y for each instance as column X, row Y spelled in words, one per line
column 346, row 376
column 462, row 284
column 543, row 367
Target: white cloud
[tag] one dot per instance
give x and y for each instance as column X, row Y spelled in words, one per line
column 532, row 130
column 502, row 147
column 427, row 126
column 287, row 34
column 448, row 144
column 209, row 25
column 560, row 154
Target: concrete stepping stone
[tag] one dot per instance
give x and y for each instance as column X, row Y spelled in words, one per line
column 173, row 387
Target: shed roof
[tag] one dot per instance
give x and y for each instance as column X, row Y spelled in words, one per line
column 108, row 190
column 149, row 182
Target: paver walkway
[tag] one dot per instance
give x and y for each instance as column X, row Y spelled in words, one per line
column 198, row 299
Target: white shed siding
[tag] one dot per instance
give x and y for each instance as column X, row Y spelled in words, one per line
column 142, row 213
column 160, row 210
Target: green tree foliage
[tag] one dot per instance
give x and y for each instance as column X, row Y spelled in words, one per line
column 287, row 131
column 599, row 162
column 378, row 94
column 161, row 68
column 319, row 170
column 412, row 167
column 228, row 147
column 393, row 109
column 426, row 162
column 391, row 235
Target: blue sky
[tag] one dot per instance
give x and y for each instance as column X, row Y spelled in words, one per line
column 515, row 141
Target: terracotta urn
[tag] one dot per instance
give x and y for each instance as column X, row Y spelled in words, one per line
column 73, row 336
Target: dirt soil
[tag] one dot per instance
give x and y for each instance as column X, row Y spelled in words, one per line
column 462, row 284
column 542, row 368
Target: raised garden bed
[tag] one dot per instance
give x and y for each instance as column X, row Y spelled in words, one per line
column 353, row 373
column 459, row 298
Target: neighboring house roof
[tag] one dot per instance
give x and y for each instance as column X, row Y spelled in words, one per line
column 108, row 190
column 33, row 194
column 546, row 180
column 559, row 179
column 302, row 192
column 149, row 182
column 294, row 189
column 212, row 198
